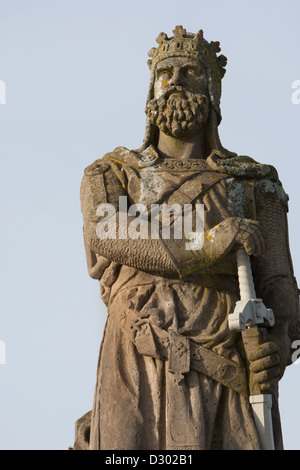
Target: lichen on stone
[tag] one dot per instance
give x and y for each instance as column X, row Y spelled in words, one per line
column 274, row 187
column 236, row 197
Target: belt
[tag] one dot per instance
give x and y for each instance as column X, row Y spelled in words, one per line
column 183, row 355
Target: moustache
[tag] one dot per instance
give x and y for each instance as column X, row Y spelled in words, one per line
column 165, row 95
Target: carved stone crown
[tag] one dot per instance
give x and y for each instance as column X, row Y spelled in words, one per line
column 190, row 45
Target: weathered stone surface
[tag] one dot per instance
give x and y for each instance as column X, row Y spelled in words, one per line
column 82, row 432
column 171, row 374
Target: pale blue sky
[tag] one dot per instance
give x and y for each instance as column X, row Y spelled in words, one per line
column 76, row 84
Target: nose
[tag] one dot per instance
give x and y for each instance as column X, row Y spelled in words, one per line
column 176, row 77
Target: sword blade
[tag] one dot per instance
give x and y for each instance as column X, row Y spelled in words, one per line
column 262, row 413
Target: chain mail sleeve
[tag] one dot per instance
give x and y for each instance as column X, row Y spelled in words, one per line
column 103, row 187
column 273, row 272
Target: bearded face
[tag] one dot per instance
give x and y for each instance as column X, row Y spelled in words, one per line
column 178, row 112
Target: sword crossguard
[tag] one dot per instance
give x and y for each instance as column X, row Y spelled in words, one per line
column 248, row 313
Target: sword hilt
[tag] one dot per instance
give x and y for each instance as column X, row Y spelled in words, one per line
column 246, row 284
column 249, row 311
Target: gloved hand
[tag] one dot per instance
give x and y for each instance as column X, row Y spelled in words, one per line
column 267, row 364
column 231, row 234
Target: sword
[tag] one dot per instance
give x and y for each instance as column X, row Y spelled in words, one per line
column 250, row 317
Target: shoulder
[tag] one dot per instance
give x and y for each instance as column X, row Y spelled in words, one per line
column 102, row 164
column 242, row 166
column 243, row 169
column 103, row 181
column 118, row 158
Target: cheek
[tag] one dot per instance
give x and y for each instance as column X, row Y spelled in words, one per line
column 159, row 87
column 201, row 85
column 196, row 84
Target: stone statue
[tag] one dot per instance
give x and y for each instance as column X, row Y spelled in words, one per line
column 171, row 374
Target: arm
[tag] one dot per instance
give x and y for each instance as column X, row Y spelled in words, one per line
column 159, row 256
column 147, row 255
column 273, row 272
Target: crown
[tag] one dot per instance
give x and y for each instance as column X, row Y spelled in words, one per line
column 190, row 45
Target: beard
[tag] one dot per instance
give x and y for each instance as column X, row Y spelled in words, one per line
column 181, row 115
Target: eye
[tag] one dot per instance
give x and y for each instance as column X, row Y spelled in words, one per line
column 192, row 72
column 164, row 75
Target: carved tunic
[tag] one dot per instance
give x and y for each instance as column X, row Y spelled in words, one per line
column 170, row 371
